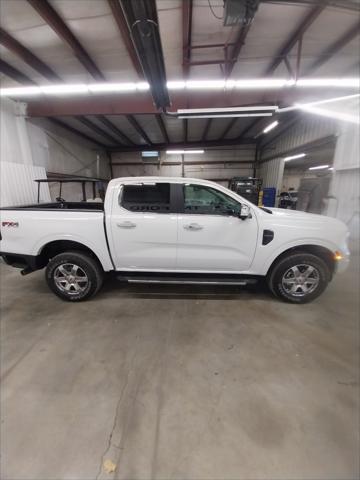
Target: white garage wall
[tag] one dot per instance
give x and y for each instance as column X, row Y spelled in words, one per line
column 222, row 173
column 37, row 149
column 345, row 186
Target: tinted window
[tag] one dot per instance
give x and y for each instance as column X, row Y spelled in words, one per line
column 146, row 198
column 207, row 200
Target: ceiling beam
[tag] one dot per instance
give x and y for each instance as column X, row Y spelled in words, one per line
column 235, row 50
column 124, row 138
column 162, row 127
column 13, row 73
column 73, row 130
column 139, row 129
column 44, row 70
column 184, row 145
column 185, row 129
column 53, row 19
column 290, row 43
column 28, row 57
column 140, row 103
column 125, row 35
column 334, row 48
column 187, row 8
column 251, row 126
column 206, row 129
column 228, row 127
column 95, row 128
column 187, row 12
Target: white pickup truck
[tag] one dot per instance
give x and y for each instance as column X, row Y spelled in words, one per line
column 173, row 230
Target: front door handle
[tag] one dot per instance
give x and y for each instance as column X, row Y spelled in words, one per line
column 193, row 226
column 126, row 224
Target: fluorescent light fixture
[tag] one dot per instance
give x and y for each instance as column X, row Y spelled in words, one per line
column 319, row 167
column 20, row 91
column 328, row 82
column 64, row 89
column 323, row 112
column 263, row 83
column 206, row 84
column 293, row 157
column 313, row 107
column 331, row 100
column 176, row 85
column 150, row 154
column 227, row 115
column 228, row 109
column 331, row 168
column 118, row 87
column 250, row 111
column 271, row 126
column 183, row 152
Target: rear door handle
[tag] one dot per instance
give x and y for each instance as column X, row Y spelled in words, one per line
column 126, row 224
column 193, row 226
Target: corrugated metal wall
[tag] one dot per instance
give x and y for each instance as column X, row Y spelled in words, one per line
column 308, row 129
column 28, row 151
column 272, row 172
column 221, row 173
column 345, row 187
column 18, row 186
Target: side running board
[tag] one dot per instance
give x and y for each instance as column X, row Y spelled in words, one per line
column 182, row 280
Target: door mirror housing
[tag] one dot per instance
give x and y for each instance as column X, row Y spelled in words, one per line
column 244, row 212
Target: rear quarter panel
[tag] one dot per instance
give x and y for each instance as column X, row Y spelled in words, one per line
column 36, row 228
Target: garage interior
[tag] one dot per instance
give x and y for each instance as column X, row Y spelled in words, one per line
column 173, row 382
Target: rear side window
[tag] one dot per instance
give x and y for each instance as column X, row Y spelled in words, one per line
column 146, row 198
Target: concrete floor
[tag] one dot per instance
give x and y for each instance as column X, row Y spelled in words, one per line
column 179, row 383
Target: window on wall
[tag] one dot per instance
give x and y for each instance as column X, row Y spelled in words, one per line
column 208, row 201
column 146, row 198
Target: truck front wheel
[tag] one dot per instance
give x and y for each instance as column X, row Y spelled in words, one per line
column 299, row 277
column 74, row 276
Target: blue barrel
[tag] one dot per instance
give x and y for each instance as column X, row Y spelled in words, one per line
column 269, row 196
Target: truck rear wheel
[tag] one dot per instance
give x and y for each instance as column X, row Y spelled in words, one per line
column 74, row 276
column 299, row 277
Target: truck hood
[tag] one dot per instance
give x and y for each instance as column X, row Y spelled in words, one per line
column 296, row 217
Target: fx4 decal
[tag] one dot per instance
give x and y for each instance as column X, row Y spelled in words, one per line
column 10, row 224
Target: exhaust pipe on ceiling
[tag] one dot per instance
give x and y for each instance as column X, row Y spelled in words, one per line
column 142, row 20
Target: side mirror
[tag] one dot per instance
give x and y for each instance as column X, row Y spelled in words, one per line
column 244, row 212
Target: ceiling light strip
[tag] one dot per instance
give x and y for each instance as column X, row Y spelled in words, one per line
column 128, row 87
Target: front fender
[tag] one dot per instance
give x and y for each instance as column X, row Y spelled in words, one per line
column 265, row 259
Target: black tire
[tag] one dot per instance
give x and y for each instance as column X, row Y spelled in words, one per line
column 87, row 267
column 281, row 282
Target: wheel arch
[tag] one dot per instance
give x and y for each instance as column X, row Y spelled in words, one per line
column 322, row 252
column 54, row 247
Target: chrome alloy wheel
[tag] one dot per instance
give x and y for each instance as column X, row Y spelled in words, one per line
column 70, row 278
column 300, row 280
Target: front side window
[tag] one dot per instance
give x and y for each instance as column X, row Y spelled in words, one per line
column 199, row 199
column 153, row 198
